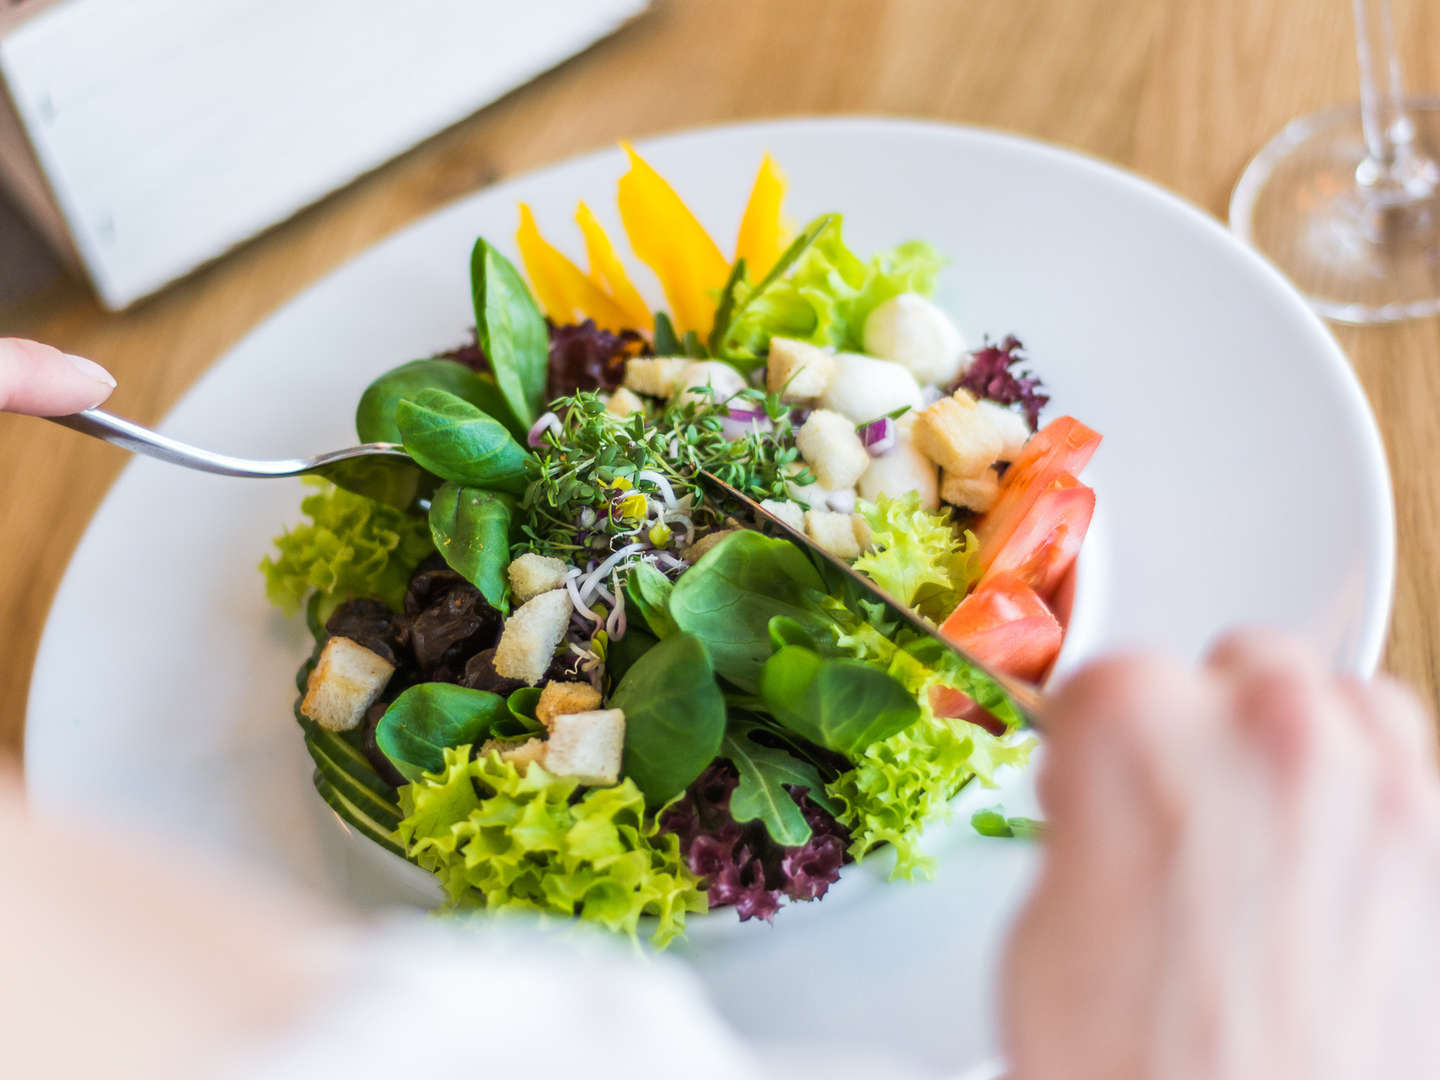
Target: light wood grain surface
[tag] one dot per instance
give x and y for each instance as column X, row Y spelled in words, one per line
column 1180, row 91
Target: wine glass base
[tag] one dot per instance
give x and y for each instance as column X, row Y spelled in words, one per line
column 1356, row 255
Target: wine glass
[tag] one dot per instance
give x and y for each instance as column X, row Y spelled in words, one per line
column 1346, row 202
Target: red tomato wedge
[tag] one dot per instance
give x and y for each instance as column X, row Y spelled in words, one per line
column 1064, row 445
column 1043, row 546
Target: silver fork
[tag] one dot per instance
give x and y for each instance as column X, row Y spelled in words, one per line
column 382, row 471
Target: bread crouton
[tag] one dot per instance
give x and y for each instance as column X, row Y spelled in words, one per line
column 834, row 532
column 797, row 370
column 565, row 697
column 716, row 381
column 532, row 574
column 624, row 402
column 531, row 635
column 521, row 754
column 956, row 435
column 830, row 446
column 1012, row 428
column 693, row 553
column 977, row 493
column 657, row 376
column 346, row 681
column 786, row 511
column 587, row 746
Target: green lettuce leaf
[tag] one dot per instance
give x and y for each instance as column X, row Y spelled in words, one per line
column 918, row 556
column 352, row 546
column 828, row 294
column 504, row 840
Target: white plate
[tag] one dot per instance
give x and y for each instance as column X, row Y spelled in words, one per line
column 1242, row 480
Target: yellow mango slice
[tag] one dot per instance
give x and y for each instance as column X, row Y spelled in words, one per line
column 667, row 238
column 562, row 288
column 608, row 272
column 762, row 235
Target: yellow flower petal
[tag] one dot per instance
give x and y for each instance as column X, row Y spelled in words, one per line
column 667, row 237
column 563, row 290
column 608, row 272
column 762, row 229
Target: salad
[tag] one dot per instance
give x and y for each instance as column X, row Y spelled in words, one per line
column 567, row 681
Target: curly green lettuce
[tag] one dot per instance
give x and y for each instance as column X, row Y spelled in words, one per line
column 351, row 546
column 504, row 840
column 918, row 555
column 829, row 293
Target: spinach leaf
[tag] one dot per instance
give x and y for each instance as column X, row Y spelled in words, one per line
column 456, row 441
column 729, row 597
column 375, row 415
column 427, row 719
column 844, row 705
column 621, row 656
column 674, row 717
column 471, row 530
column 648, row 591
column 764, row 772
column 665, row 341
column 520, row 706
column 727, row 313
column 993, row 822
column 786, row 631
column 512, row 332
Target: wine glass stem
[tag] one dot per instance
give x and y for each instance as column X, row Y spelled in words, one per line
column 1394, row 168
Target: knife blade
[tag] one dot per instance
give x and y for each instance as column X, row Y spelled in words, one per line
column 1026, row 698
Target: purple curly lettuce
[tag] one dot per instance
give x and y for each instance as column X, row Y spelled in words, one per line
column 582, row 357
column 989, row 376
column 740, row 864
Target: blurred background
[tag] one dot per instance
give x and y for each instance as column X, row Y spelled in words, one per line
column 173, row 171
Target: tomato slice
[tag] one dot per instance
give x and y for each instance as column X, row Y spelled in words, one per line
column 1064, row 445
column 1005, row 625
column 1043, row 547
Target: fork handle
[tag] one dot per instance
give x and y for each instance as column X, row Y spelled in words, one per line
column 131, row 436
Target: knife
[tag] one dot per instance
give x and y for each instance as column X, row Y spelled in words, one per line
column 1025, row 697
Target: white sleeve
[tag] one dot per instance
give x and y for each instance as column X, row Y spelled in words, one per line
column 422, row 997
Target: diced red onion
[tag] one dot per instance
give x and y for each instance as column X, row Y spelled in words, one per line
column 879, row 436
column 536, row 436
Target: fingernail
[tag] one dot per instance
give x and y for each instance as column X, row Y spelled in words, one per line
column 91, row 370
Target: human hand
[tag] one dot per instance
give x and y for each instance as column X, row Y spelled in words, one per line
column 1241, row 877
column 42, row 381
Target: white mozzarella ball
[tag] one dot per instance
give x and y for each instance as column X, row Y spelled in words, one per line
column 864, row 388
column 910, row 330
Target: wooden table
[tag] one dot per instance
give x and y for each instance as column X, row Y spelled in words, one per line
column 1178, row 91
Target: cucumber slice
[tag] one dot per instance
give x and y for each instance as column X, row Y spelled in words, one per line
column 385, row 811
column 357, row 818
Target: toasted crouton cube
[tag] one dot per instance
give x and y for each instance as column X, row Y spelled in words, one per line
column 829, row 444
column 624, row 402
column 957, row 435
column 797, row 370
column 657, row 376
column 521, row 754
column 531, row 635
column 834, row 532
column 1012, row 428
column 565, row 697
column 532, row 574
column 347, row 680
column 976, row 493
column 693, row 553
column 786, row 511
column 709, row 380
column 587, row 746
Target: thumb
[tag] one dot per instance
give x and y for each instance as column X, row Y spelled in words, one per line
column 42, row 381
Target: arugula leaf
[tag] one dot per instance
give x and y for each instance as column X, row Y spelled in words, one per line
column 729, row 597
column 664, row 340
column 993, row 822
column 375, row 415
column 725, row 310
column 456, row 441
column 692, row 346
column 511, row 331
column 844, row 705
column 674, row 717
column 428, row 719
column 471, row 530
column 648, row 592
column 764, row 772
